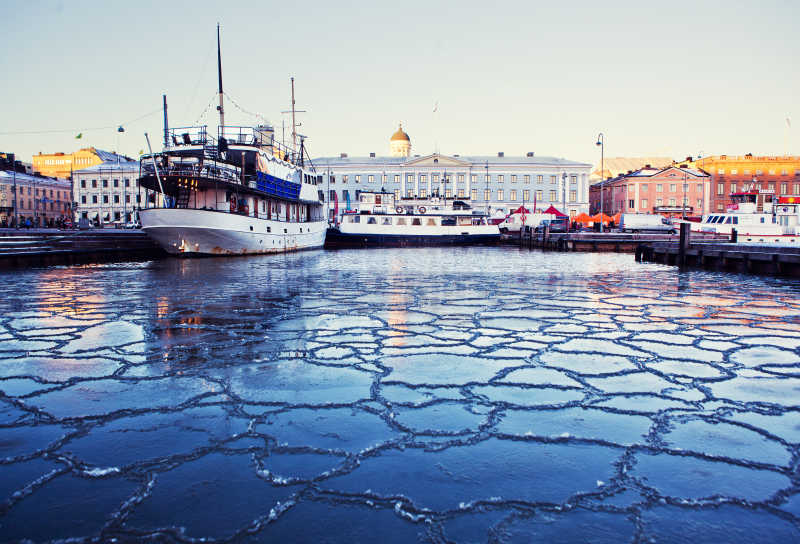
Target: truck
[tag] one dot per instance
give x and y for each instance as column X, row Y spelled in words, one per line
column 645, row 222
column 514, row 222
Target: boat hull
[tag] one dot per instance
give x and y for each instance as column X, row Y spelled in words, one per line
column 189, row 232
column 337, row 239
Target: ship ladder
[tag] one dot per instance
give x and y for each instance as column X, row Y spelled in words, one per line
column 183, row 197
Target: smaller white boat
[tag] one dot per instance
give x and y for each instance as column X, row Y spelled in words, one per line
column 381, row 220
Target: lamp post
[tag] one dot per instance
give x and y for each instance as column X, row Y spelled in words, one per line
column 486, row 192
column 13, row 158
column 564, row 190
column 683, row 210
column 601, row 142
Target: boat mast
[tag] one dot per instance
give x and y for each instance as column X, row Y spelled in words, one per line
column 294, row 124
column 219, row 75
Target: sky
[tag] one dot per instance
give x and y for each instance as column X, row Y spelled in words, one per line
column 656, row 78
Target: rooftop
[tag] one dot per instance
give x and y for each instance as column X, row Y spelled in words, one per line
column 474, row 160
column 7, row 176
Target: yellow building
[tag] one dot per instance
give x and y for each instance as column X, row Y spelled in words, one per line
column 61, row 165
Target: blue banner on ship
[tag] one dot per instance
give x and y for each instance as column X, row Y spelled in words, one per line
column 277, row 186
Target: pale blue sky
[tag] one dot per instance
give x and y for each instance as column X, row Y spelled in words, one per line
column 668, row 78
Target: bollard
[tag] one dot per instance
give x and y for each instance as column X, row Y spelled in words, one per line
column 734, row 236
column 683, row 244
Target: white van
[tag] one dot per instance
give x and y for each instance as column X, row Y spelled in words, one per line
column 513, row 223
column 645, row 222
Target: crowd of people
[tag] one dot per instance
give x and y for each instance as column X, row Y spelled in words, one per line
column 36, row 223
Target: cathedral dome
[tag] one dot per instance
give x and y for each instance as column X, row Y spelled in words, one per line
column 400, row 135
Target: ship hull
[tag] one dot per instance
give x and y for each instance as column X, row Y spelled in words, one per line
column 338, row 239
column 191, row 232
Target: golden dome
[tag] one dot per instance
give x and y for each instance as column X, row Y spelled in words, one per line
column 400, row 135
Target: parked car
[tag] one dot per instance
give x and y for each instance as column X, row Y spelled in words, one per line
column 559, row 224
column 645, row 222
column 133, row 225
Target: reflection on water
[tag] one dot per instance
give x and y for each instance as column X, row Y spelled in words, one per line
column 438, row 395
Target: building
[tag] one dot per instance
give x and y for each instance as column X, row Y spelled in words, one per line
column 732, row 173
column 497, row 183
column 61, row 165
column 46, row 202
column 617, row 166
column 671, row 191
column 107, row 192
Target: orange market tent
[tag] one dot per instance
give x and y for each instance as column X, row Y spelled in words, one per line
column 601, row 217
column 582, row 218
column 616, row 217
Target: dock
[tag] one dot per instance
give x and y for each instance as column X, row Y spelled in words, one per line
column 48, row 247
column 616, row 242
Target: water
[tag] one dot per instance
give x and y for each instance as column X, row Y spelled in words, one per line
column 403, row 395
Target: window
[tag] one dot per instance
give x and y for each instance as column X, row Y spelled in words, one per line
column 772, row 172
column 83, row 199
column 371, row 178
column 116, row 183
column 573, row 179
column 94, row 199
column 526, row 195
column 357, row 178
column 513, row 179
column 423, row 192
column 539, row 178
column 474, row 194
column 659, row 202
column 409, row 178
column 500, row 178
column 127, row 199
column 734, row 171
column 553, row 179
column 643, row 187
column 105, row 199
column 344, row 178
column 448, row 193
column 553, row 196
column 796, row 189
column 784, row 172
column 435, row 178
column 747, row 172
column 487, row 177
column 527, row 178
column 473, row 178
column 94, row 184
column 116, row 199
column 513, row 194
column 332, row 180
column 461, row 193
column 83, row 184
column 127, row 182
column 397, row 194
column 631, row 204
column 461, row 177
column 771, row 186
column 700, row 187
column 720, row 188
column 105, row 183
column 644, row 204
column 397, row 178
column 733, row 187
column 721, row 172
column 409, row 192
column 631, row 189
column 539, row 195
column 487, row 194
column 759, row 172
column 659, row 187
column 671, row 201
column 672, row 187
column 499, row 194
column 573, row 196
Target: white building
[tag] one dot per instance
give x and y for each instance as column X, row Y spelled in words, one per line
column 497, row 183
column 107, row 192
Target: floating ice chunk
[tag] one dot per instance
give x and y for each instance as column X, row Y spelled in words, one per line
column 600, row 483
column 100, row 472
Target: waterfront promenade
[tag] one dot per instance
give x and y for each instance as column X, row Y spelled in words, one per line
column 485, row 394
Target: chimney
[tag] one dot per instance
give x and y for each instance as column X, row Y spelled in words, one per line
column 372, row 155
column 501, row 154
column 529, row 154
column 342, row 155
column 647, row 166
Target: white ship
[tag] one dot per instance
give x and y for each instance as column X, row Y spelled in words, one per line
column 381, row 220
column 238, row 193
column 757, row 215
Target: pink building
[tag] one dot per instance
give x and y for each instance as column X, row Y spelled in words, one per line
column 670, row 191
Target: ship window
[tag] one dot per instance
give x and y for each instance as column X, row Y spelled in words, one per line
column 401, row 221
column 387, row 221
column 269, row 229
column 431, row 222
column 735, row 220
column 371, row 221
column 762, row 219
column 416, row 221
column 728, row 220
column 357, row 219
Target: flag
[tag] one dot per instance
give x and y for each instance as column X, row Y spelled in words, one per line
column 141, row 152
column 436, row 106
column 788, row 123
column 79, row 136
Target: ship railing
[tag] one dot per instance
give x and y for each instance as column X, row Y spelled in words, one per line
column 183, row 136
column 159, row 201
column 211, row 170
column 262, row 137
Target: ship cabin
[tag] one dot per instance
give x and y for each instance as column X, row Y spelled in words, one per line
column 243, row 171
column 382, row 208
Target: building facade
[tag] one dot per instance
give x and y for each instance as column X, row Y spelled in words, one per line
column 44, row 202
column 732, row 173
column 498, row 184
column 672, row 192
column 62, row 165
column 107, row 192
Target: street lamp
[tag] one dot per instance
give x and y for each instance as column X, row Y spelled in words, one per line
column 684, row 195
column 601, row 143
column 564, row 190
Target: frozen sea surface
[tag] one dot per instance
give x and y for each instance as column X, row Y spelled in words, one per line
column 403, row 395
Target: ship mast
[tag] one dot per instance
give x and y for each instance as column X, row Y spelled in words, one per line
column 219, row 75
column 294, row 124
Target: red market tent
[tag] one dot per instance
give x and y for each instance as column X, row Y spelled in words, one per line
column 521, row 209
column 554, row 211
